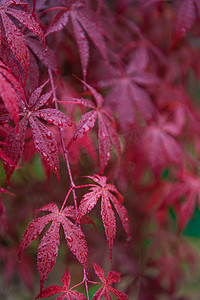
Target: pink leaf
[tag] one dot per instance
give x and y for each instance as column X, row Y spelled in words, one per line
column 90, row 199
column 45, row 143
column 14, row 147
column 54, row 116
column 48, row 251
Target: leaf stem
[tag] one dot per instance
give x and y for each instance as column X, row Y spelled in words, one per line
column 55, row 100
column 73, row 186
column 65, row 199
column 86, row 284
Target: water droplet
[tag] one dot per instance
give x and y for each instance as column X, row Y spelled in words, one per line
column 60, row 122
column 44, row 155
column 49, row 136
column 49, row 115
column 69, row 245
column 74, row 251
column 109, row 205
column 70, row 239
column 126, row 220
column 50, row 120
column 54, row 254
column 41, row 116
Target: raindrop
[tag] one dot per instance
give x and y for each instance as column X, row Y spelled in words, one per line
column 60, row 123
column 54, row 254
column 49, row 135
column 74, row 251
column 50, row 120
column 70, row 239
column 44, row 155
column 41, row 116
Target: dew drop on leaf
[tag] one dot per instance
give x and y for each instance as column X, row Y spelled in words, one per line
column 70, row 239
column 44, row 155
column 60, row 123
column 49, row 136
column 41, row 116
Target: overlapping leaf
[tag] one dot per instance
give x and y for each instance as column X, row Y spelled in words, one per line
column 107, row 133
column 104, row 191
column 48, row 248
column 106, row 288
column 15, row 38
column 129, row 87
column 11, row 92
column 65, row 291
column 161, row 147
column 188, row 187
column 44, row 140
column 83, row 21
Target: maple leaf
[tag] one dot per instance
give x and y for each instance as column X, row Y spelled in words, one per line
column 83, row 20
column 103, row 190
column 106, row 288
column 107, row 133
column 161, row 146
column 187, row 187
column 128, row 87
column 8, row 256
column 48, row 248
column 44, row 54
column 11, row 92
column 15, row 38
column 66, row 293
column 44, row 141
column 187, row 12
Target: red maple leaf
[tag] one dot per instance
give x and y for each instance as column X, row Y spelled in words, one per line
column 44, row 141
column 106, row 285
column 8, row 256
column 15, row 39
column 161, row 146
column 10, row 91
column 103, row 190
column 107, row 133
column 83, row 21
column 128, row 87
column 187, row 12
column 188, row 187
column 48, row 248
column 66, row 292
